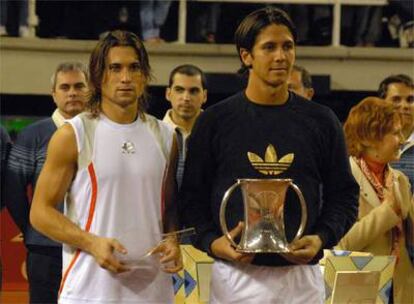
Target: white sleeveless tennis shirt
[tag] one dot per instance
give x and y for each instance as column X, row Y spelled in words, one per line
column 117, row 193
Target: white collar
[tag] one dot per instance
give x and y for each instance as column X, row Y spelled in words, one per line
column 409, row 143
column 167, row 119
column 58, row 118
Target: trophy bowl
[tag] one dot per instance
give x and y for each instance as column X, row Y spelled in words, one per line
column 264, row 227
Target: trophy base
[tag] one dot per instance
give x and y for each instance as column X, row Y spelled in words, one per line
column 263, row 250
column 264, row 237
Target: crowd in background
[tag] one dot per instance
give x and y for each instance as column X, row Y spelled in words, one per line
column 208, row 22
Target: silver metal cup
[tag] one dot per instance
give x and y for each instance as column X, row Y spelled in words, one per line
column 264, row 228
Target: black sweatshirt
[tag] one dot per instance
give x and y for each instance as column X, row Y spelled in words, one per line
column 218, row 155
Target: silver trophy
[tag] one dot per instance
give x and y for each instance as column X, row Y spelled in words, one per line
column 264, row 228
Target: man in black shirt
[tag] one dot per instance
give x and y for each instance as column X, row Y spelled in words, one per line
column 268, row 122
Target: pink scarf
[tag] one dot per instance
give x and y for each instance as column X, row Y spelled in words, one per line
column 382, row 180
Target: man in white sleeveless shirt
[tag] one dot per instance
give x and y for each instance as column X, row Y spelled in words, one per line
column 115, row 167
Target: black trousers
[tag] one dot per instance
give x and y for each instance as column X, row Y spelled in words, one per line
column 44, row 272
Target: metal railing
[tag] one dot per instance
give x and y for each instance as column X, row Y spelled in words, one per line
column 336, row 23
column 182, row 13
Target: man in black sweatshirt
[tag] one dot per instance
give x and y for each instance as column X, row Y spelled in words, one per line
column 267, row 122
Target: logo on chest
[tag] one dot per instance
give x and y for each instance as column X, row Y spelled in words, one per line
column 128, row 148
column 270, row 165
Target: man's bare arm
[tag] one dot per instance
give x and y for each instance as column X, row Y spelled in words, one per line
column 54, row 181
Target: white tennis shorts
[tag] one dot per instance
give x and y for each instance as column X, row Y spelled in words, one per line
column 245, row 284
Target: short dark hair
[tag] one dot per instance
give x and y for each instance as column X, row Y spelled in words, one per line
column 305, row 75
column 400, row 78
column 97, row 64
column 68, row 67
column 189, row 70
column 254, row 23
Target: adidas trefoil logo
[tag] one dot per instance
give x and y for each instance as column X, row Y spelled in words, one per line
column 270, row 165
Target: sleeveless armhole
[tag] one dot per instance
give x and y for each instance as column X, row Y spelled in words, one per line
column 84, row 127
column 76, row 126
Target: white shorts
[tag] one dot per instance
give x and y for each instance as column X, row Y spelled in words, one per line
column 245, row 284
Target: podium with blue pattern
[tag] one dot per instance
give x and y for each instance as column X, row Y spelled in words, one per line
column 337, row 261
column 192, row 284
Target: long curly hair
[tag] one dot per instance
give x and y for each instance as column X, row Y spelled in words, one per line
column 367, row 123
column 97, row 63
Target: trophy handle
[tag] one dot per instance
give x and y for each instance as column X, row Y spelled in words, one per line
column 223, row 207
column 304, row 210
